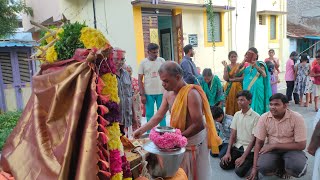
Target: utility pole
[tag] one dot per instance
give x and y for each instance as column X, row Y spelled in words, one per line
column 94, row 14
column 253, row 16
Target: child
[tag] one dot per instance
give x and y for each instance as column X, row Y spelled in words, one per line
column 223, row 123
column 274, row 80
column 303, row 83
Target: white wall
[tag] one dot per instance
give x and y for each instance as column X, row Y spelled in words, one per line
column 241, row 25
column 205, row 57
column 114, row 19
column 42, row 10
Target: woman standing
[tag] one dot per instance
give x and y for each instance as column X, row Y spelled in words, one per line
column 234, row 83
column 303, row 83
column 211, row 85
column 256, row 80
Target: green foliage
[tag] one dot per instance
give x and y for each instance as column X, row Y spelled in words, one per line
column 69, row 40
column 8, row 121
column 210, row 14
column 8, row 16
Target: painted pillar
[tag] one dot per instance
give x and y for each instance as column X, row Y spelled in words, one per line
column 138, row 31
column 3, row 106
column 16, row 78
column 178, row 34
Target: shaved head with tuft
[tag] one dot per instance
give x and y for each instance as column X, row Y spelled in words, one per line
column 172, row 68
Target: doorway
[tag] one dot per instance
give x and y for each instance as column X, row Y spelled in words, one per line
column 158, row 28
column 165, row 31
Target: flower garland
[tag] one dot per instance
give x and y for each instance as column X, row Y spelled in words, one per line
column 114, row 115
column 92, row 38
column 108, row 87
column 114, row 142
column 111, row 88
column 126, row 168
column 168, row 140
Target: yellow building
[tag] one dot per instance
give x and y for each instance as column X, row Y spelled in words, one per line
column 172, row 24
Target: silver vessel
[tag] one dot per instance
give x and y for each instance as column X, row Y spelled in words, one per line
column 163, row 163
column 164, row 129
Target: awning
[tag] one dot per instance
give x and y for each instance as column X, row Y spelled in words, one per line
column 16, row 44
column 20, row 39
column 271, row 12
column 313, row 37
column 300, row 31
column 173, row 5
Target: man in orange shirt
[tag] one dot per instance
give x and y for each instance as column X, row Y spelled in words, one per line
column 282, row 154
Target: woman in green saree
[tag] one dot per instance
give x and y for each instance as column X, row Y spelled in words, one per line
column 211, row 85
column 256, row 80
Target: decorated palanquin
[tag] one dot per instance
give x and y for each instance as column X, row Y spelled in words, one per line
column 69, row 128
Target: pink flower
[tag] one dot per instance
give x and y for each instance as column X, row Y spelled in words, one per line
column 168, row 140
column 115, row 162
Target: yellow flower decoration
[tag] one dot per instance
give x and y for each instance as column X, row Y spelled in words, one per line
column 92, row 38
column 115, row 144
column 51, row 55
column 117, row 176
column 51, row 38
column 127, row 179
column 111, row 87
column 114, row 130
column 114, row 137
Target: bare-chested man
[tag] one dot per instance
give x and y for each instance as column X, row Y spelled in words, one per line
column 186, row 104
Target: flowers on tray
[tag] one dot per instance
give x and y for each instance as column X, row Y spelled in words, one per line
column 168, row 140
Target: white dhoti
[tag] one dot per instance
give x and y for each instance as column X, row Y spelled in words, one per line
column 316, row 168
column 196, row 160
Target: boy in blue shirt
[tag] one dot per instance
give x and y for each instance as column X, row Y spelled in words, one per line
column 223, row 123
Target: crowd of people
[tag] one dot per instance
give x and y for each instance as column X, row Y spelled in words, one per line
column 247, row 124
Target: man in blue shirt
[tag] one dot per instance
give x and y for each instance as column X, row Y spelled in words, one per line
column 189, row 68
